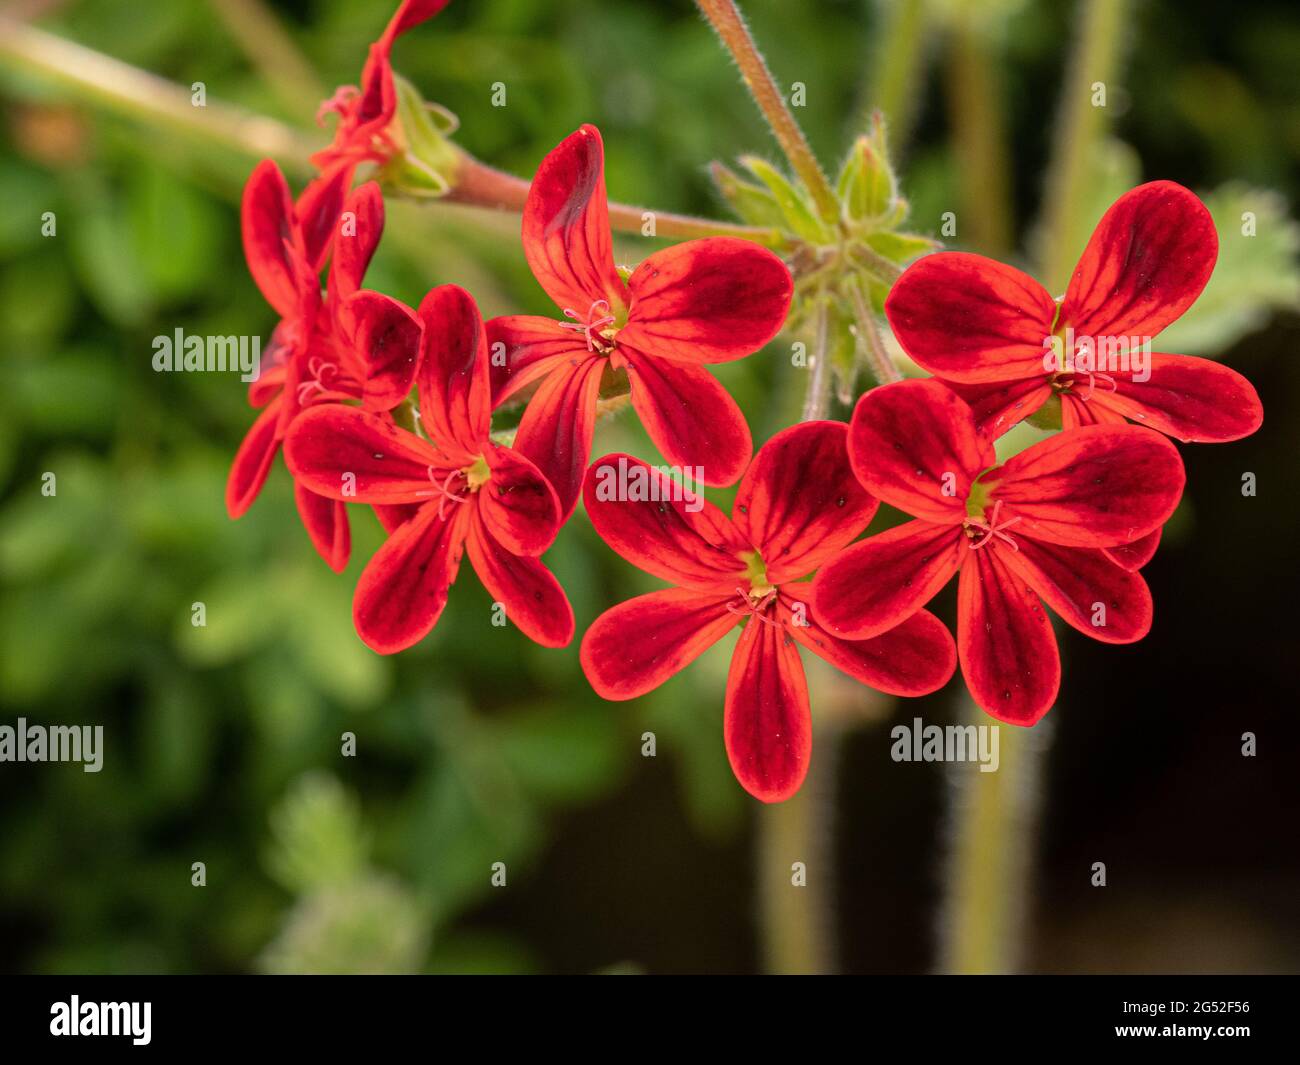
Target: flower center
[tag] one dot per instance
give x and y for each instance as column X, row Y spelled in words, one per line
column 595, row 327
column 1062, row 383
column 762, row 593
column 982, row 529
column 473, row 477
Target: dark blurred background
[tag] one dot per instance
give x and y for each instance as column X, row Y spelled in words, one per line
column 222, row 742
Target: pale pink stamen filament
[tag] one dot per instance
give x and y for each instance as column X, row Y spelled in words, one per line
column 749, row 605
column 445, row 492
column 322, row 373
column 991, row 528
column 594, row 323
column 1092, row 384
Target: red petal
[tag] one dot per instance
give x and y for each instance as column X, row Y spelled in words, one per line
column 410, row 14
column 253, row 461
column 1082, row 584
column 634, row 647
column 556, row 429
column 914, row 445
column 968, row 318
column 877, row 584
column 1135, row 555
column 914, row 658
column 270, row 237
column 691, row 418
column 358, row 236
column 403, row 589
column 1193, row 400
column 766, row 723
column 799, row 502
column 326, row 522
column 1147, row 261
column 707, row 300
column 334, row 449
column 654, row 524
column 532, row 597
column 524, row 347
column 517, row 504
column 268, row 384
column 318, row 212
column 455, row 404
column 1077, row 412
column 1097, row 486
column 566, row 227
column 1005, row 641
column 393, row 515
column 387, row 337
column 1001, row 405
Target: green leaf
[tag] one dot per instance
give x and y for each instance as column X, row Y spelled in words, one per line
column 795, row 207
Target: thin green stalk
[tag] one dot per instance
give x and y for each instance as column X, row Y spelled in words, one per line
column 1080, row 124
column 118, row 87
column 872, row 342
column 273, row 52
column 726, row 19
column 979, row 136
column 899, row 59
column 817, row 398
column 989, row 901
column 127, row 90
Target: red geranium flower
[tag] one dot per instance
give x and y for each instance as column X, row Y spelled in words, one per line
column 703, row 301
column 982, row 327
column 351, row 345
column 365, row 114
column 797, row 505
column 459, row 489
column 1038, row 525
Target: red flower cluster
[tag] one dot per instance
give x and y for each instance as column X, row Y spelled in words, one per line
column 1068, row 523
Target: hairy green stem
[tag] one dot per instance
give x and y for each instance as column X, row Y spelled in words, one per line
column 817, row 398
column 726, row 19
column 872, row 343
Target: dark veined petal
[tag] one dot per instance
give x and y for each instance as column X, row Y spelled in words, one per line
column 664, row 527
column 253, row 460
column 1150, row 256
column 270, row 234
column 517, row 505
column 524, row 347
column 634, row 647
column 799, row 501
column 1193, row 400
column 566, row 233
column 913, row 444
column 455, row 396
column 387, row 336
column 360, row 227
column 1134, row 556
column 709, row 300
column 1005, row 641
column 351, row 455
column 1089, row 591
column 318, row 211
column 1097, row 486
column 1001, row 405
column 557, row 427
column 532, row 597
column 914, row 658
column 766, row 721
column 403, row 588
column 967, row 318
column 875, row 585
column 691, row 418
column 326, row 522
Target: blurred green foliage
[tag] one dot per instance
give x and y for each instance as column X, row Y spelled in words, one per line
column 224, row 742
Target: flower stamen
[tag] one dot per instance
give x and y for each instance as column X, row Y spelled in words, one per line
column 990, row 529
column 590, row 328
column 754, row 604
column 444, row 491
column 322, row 373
